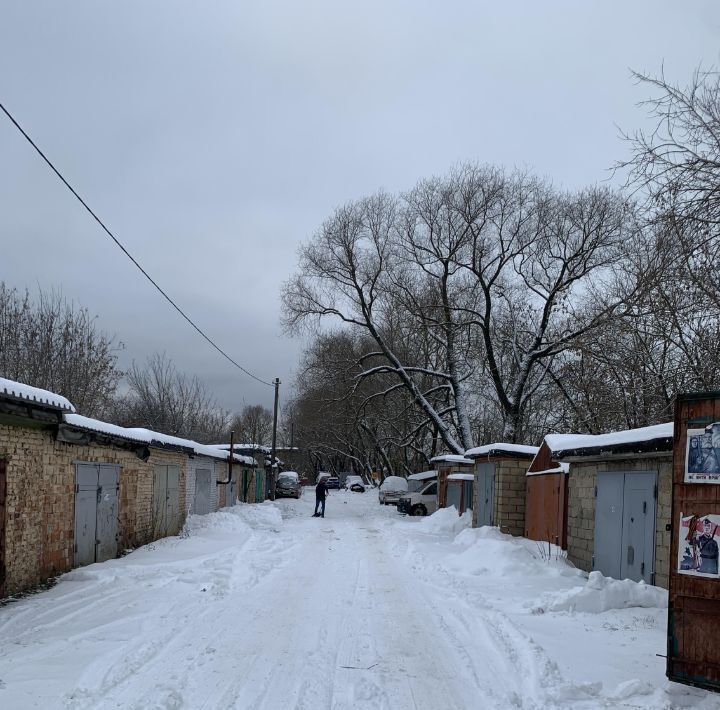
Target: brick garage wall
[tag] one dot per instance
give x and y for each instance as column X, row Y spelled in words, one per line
column 40, row 509
column 509, row 504
column 581, row 509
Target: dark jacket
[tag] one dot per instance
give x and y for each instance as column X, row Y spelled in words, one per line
column 321, row 490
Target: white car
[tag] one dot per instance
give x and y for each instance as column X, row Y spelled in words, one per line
column 391, row 489
column 422, row 502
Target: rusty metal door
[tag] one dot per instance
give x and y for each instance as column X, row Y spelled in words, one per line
column 3, row 499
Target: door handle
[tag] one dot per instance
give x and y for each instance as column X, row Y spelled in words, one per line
column 630, row 554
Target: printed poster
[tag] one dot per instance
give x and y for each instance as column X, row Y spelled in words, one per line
column 698, row 545
column 702, row 459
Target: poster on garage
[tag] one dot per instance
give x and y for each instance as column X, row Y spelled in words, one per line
column 698, row 545
column 702, row 457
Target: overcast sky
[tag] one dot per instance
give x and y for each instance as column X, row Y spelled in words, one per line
column 214, row 137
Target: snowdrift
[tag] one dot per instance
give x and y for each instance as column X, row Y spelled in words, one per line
column 602, row 594
column 446, row 521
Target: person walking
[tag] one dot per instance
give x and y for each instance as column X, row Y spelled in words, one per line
column 320, row 495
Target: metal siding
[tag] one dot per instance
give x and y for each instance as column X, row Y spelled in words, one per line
column 546, row 508
column 107, row 512
column 638, row 530
column 609, row 523
column 86, row 488
column 259, row 476
column 231, row 491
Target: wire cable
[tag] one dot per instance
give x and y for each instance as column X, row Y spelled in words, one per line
column 127, row 253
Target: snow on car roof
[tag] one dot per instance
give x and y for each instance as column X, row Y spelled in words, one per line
column 451, row 458
column 577, row 443
column 27, row 393
column 423, row 476
column 394, row 483
column 502, row 448
column 461, row 477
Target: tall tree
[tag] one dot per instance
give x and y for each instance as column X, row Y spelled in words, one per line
column 54, row 344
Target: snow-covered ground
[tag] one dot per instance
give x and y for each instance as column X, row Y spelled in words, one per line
column 263, row 606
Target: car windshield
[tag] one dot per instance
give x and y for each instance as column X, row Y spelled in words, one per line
column 286, row 481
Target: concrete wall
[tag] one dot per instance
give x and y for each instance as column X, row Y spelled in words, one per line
column 581, row 509
column 40, row 506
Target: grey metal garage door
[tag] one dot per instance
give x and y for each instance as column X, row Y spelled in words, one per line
column 203, row 501
column 96, row 512
column 625, row 524
column 166, row 500
column 485, row 477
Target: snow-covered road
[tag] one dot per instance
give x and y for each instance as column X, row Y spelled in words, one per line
column 266, row 607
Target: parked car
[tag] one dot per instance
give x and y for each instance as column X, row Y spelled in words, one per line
column 332, row 482
column 391, row 490
column 422, row 502
column 288, row 485
column 355, row 483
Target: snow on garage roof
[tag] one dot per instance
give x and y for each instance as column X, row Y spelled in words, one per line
column 500, row 448
column 26, row 393
column 562, row 467
column 650, row 438
column 423, row 476
column 451, row 458
column 149, row 437
column 461, row 477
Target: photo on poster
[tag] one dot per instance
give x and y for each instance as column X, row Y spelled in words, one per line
column 698, row 545
column 702, row 459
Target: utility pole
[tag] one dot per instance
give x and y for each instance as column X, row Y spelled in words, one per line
column 276, row 382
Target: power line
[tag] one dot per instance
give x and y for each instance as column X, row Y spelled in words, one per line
column 127, row 253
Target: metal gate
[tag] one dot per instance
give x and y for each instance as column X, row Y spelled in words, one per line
column 625, row 525
column 3, row 498
column 259, row 478
column 485, row 477
column 202, row 503
column 166, row 500
column 467, row 495
column 96, row 512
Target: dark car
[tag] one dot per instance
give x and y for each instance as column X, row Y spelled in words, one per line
column 332, row 482
column 288, row 485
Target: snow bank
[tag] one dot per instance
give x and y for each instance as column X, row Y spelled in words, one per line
column 240, row 518
column 446, row 521
column 488, row 552
column 603, row 593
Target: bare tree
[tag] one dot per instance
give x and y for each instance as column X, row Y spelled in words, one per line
column 53, row 344
column 253, row 425
column 165, row 400
column 676, row 165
